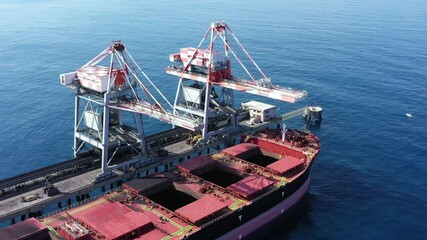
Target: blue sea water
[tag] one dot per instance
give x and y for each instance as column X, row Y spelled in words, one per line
column 364, row 61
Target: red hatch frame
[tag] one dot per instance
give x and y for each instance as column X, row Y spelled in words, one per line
column 240, row 149
column 113, row 220
column 201, row 209
column 285, row 164
column 194, row 164
column 251, row 186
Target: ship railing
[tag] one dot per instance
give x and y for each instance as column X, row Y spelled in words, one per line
column 292, row 114
column 217, row 219
column 266, row 193
column 86, row 200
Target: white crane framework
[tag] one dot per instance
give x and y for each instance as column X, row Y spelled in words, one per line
column 124, row 75
column 208, row 66
column 106, row 86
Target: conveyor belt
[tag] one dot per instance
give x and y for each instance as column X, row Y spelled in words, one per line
column 164, row 134
column 72, row 163
column 42, row 172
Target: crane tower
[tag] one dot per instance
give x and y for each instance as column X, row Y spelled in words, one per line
column 107, row 87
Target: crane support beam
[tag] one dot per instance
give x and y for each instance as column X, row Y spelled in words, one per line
column 159, row 114
column 270, row 91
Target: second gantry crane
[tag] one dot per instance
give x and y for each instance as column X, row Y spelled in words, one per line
column 207, row 68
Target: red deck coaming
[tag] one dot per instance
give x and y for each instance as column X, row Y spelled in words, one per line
column 194, row 164
column 28, row 229
column 285, row 164
column 154, row 234
column 251, row 186
column 277, row 147
column 161, row 228
column 112, row 220
column 201, row 209
column 138, row 186
column 239, row 149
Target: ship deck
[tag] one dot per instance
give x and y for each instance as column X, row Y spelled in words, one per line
column 191, row 189
column 65, row 187
column 11, row 205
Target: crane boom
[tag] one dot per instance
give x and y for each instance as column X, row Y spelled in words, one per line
column 212, row 66
column 270, row 91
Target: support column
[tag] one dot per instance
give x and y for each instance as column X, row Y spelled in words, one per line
column 233, row 119
column 141, row 134
column 178, row 92
column 206, row 110
column 105, row 133
column 76, row 121
column 120, row 114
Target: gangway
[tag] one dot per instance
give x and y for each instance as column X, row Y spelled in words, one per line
column 294, row 113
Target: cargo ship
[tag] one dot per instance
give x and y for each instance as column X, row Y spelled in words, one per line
column 225, row 195
column 189, row 182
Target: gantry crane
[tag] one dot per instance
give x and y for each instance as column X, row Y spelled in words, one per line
column 105, row 87
column 113, row 83
column 203, row 68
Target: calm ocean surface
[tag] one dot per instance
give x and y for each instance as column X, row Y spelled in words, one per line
column 364, row 61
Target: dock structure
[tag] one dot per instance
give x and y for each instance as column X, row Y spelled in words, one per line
column 112, row 90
